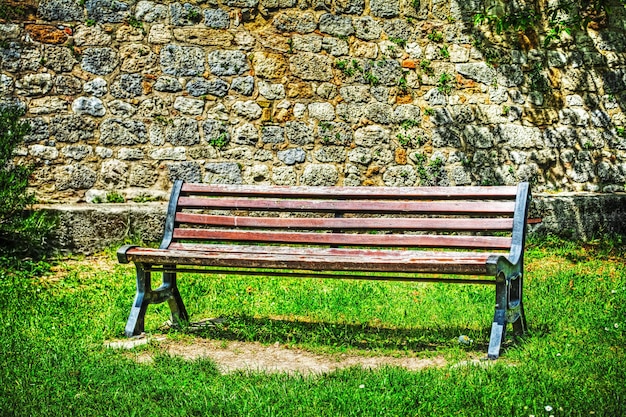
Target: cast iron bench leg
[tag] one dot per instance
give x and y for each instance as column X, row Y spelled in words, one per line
column 519, row 326
column 498, row 327
column 135, row 323
column 509, row 309
column 515, row 299
column 177, row 308
column 168, row 291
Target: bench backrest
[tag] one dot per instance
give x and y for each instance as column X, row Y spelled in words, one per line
column 476, row 218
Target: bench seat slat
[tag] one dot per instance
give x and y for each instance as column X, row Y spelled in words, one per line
column 425, row 193
column 493, row 208
column 351, row 239
column 316, row 251
column 361, row 223
column 323, row 260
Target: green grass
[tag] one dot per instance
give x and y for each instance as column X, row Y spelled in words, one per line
column 53, row 328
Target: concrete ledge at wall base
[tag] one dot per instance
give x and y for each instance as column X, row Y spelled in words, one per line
column 89, row 228
column 579, row 216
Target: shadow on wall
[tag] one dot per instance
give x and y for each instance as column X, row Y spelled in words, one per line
column 18, row 9
column 563, row 47
column 579, row 217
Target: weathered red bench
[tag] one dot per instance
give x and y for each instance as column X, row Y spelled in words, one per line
column 444, row 234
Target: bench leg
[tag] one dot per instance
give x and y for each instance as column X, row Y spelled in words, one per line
column 168, row 291
column 519, row 326
column 509, row 309
column 135, row 323
column 498, row 327
column 516, row 315
column 177, row 308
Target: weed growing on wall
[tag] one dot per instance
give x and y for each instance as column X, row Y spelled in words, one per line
column 20, row 231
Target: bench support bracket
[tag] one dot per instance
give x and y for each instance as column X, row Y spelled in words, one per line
column 509, row 306
column 168, row 291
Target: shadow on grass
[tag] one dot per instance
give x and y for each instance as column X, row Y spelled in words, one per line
column 335, row 335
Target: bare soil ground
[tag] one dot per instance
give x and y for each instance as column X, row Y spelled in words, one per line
column 245, row 356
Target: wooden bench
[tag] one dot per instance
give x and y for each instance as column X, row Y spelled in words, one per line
column 443, row 234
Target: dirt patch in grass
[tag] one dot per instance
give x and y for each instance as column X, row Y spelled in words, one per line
column 245, row 356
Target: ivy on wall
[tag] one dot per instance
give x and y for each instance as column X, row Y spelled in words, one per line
column 564, row 16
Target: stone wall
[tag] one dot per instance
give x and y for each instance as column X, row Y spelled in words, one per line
column 125, row 96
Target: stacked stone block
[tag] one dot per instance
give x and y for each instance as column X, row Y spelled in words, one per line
column 127, row 96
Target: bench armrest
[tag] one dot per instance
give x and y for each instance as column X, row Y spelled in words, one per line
column 502, row 263
column 121, row 253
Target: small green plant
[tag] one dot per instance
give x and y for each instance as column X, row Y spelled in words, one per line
column 415, row 4
column 426, row 68
column 162, row 120
column 404, row 140
column 403, row 86
column 445, row 54
column 506, row 110
column 325, row 126
column 621, row 131
column 290, row 44
column 371, row 78
column 429, row 111
column 429, row 172
column 435, row 36
column 344, row 66
column 194, row 16
column 399, row 41
column 133, row 22
column 407, row 124
column 420, row 160
column 518, row 21
column 436, row 164
column 90, row 22
column 444, row 83
column 555, row 31
column 219, row 141
column 115, row 197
